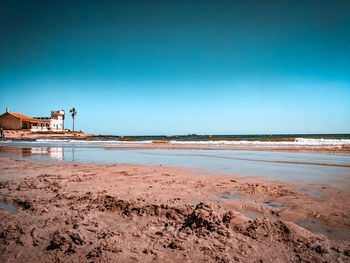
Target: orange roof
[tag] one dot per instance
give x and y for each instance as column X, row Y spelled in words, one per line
column 23, row 117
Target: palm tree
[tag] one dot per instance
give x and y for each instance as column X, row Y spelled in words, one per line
column 74, row 112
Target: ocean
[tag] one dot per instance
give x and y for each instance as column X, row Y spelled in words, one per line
column 201, row 140
column 248, row 137
column 307, row 158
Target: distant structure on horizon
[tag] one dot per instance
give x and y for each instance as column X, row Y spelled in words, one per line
column 15, row 121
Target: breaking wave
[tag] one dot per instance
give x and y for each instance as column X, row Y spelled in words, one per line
column 296, row 142
column 114, row 142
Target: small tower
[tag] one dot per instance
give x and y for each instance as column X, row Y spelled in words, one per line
column 59, row 116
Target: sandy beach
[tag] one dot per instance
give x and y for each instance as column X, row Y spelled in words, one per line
column 174, row 131
column 73, row 212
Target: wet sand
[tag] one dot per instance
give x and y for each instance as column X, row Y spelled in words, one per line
column 129, row 213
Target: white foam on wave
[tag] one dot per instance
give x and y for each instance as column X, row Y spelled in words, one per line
column 52, row 140
column 105, row 142
column 296, row 142
column 321, row 141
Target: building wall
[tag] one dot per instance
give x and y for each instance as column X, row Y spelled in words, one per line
column 56, row 124
column 41, row 126
column 57, row 120
column 10, row 122
column 53, row 123
column 49, row 124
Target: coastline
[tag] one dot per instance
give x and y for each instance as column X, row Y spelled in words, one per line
column 25, row 134
column 77, row 211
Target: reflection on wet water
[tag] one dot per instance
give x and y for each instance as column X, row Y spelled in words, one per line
column 55, row 153
column 244, row 163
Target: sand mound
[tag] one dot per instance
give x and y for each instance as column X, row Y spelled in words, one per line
column 204, row 220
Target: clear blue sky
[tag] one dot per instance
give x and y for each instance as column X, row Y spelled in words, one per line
column 179, row 67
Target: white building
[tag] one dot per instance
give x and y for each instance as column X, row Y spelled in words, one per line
column 53, row 123
column 16, row 121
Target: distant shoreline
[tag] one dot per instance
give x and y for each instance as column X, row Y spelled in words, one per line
column 25, row 134
column 250, row 138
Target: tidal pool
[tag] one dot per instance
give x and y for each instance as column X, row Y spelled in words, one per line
column 8, row 207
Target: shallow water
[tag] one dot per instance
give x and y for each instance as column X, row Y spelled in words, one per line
column 318, row 227
column 314, row 226
column 304, row 168
column 317, row 193
column 231, row 196
column 273, row 205
column 8, row 207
